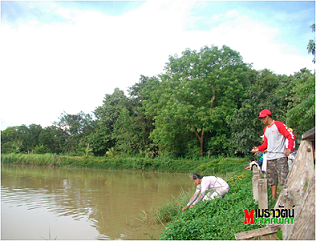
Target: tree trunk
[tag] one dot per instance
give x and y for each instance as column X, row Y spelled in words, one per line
column 201, row 138
column 87, row 151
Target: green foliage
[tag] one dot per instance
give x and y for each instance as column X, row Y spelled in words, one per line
column 18, row 139
column 245, row 127
column 301, row 117
column 75, row 124
column 54, row 139
column 102, row 138
column 311, row 44
column 206, row 100
column 112, row 152
column 123, row 131
column 40, row 150
column 192, row 149
column 291, row 100
column 196, row 94
column 75, row 128
column 142, row 124
column 279, row 234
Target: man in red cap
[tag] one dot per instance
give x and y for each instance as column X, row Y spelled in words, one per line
column 275, row 135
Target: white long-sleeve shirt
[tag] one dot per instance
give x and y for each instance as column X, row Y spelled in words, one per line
column 207, row 183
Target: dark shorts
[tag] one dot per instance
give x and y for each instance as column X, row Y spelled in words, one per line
column 277, row 171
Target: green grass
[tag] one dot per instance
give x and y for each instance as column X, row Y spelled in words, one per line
column 217, row 219
column 204, row 165
column 32, row 159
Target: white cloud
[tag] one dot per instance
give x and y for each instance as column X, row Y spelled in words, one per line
column 50, row 68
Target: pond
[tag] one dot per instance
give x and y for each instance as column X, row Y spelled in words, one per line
column 83, row 204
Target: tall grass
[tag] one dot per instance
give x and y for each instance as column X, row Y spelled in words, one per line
column 173, row 207
column 34, row 159
column 205, row 165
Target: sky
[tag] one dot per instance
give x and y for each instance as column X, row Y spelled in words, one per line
column 65, row 56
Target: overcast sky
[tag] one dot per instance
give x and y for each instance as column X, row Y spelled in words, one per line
column 65, row 56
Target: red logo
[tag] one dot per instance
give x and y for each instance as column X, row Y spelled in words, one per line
column 249, row 218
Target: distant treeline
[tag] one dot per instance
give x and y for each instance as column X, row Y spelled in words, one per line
column 206, row 100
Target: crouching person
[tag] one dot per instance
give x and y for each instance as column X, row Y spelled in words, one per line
column 217, row 184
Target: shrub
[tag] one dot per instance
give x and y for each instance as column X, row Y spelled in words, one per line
column 40, row 150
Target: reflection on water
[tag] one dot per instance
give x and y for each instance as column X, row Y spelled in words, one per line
column 63, row 203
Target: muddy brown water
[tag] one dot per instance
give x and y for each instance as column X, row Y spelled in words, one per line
column 41, row 203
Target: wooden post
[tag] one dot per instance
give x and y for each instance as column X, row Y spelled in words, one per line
column 255, row 179
column 263, row 194
column 290, row 198
column 257, row 232
column 304, row 220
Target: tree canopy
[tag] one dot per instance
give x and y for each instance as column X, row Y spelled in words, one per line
column 197, row 92
column 203, row 101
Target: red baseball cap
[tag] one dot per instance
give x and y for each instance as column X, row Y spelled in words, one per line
column 264, row 113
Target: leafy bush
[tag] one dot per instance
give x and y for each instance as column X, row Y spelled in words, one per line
column 40, row 150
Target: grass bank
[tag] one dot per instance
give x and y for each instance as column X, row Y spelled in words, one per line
column 213, row 165
column 218, row 219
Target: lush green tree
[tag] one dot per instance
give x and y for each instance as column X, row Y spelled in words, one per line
column 285, row 94
column 9, row 140
column 29, row 136
column 301, row 117
column 78, row 126
column 75, row 124
column 263, row 94
column 33, row 136
column 22, row 132
column 197, row 92
column 207, row 99
column 142, row 124
column 20, row 138
column 52, row 139
column 123, row 131
column 291, row 100
column 9, row 134
column 101, row 139
column 311, row 44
